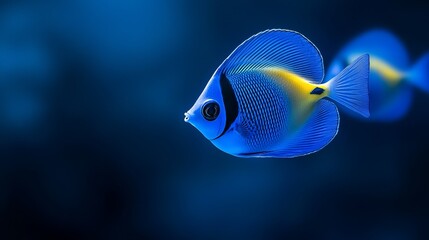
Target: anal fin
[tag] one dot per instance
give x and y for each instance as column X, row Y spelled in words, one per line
column 317, row 132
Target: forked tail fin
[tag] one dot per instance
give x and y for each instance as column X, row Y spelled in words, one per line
column 350, row 86
column 419, row 73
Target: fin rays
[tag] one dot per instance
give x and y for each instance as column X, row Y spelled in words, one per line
column 319, row 131
column 277, row 48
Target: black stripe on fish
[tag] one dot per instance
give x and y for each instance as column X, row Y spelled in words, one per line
column 317, row 91
column 230, row 102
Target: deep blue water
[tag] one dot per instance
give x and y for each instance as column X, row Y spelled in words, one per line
column 93, row 143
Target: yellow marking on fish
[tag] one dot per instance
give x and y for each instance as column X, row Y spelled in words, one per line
column 298, row 89
column 388, row 73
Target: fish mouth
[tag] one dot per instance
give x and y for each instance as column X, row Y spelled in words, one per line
column 186, row 119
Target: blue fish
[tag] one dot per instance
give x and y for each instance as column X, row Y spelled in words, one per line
column 391, row 76
column 267, row 98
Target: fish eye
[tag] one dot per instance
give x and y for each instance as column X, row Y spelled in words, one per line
column 210, row 110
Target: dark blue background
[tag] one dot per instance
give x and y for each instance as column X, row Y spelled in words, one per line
column 93, row 143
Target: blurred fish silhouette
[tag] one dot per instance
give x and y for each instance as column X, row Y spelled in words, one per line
column 391, row 77
column 267, row 100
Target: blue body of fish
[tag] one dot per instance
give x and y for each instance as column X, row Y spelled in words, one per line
column 392, row 77
column 268, row 98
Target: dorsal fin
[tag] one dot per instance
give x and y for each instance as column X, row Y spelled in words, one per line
column 277, row 48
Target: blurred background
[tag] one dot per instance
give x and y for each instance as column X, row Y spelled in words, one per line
column 93, row 143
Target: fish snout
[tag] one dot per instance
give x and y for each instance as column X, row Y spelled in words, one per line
column 187, row 115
